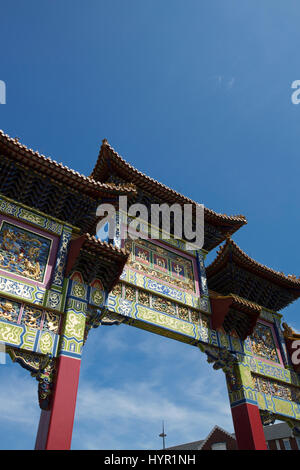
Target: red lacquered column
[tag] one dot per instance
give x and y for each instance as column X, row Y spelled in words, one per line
column 56, row 425
column 248, row 427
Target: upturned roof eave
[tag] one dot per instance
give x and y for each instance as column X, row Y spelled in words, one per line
column 109, row 159
column 101, row 252
column 230, row 252
column 237, row 301
column 58, row 171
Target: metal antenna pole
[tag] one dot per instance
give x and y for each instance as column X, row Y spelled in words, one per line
column 163, row 435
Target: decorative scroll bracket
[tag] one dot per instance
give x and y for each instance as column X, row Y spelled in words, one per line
column 42, row 368
column 221, row 358
column 267, row 417
column 97, row 317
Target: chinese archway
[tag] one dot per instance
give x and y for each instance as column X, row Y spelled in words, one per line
column 58, row 280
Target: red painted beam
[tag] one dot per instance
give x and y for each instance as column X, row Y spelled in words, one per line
column 219, row 309
column 56, row 425
column 74, row 250
column 249, row 431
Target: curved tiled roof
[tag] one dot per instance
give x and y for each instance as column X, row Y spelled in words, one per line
column 92, row 256
column 230, row 247
column 100, row 172
column 94, row 244
column 244, row 304
column 58, row 171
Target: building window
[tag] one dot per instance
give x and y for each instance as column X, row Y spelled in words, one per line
column 287, row 444
column 218, row 446
column 278, row 444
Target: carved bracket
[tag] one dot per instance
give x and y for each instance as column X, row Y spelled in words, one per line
column 295, row 426
column 96, row 317
column 110, row 318
column 43, row 368
column 267, row 417
column 220, row 358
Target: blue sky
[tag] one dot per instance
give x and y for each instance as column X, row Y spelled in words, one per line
column 196, row 95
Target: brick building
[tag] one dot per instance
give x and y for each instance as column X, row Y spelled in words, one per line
column 278, row 437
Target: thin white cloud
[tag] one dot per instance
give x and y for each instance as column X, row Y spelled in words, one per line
column 224, row 82
column 137, row 408
column 19, row 400
column 130, row 382
column 231, row 82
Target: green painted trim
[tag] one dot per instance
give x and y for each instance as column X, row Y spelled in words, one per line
column 37, row 212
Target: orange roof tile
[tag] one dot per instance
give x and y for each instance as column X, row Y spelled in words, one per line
column 60, row 172
column 241, row 258
column 102, row 169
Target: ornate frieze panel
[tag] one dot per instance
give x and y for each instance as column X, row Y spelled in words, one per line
column 23, row 252
column 9, row 207
column 22, row 290
column 9, row 310
column 26, row 254
column 143, row 297
column 28, row 338
column 27, row 327
column 162, row 264
column 178, row 323
column 273, row 371
column 282, row 400
column 130, row 293
column 118, row 302
column 144, row 282
column 275, row 388
column 268, row 394
column 161, row 304
column 263, row 342
column 32, row 260
column 28, row 315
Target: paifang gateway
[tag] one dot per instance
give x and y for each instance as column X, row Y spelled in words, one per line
column 58, row 280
